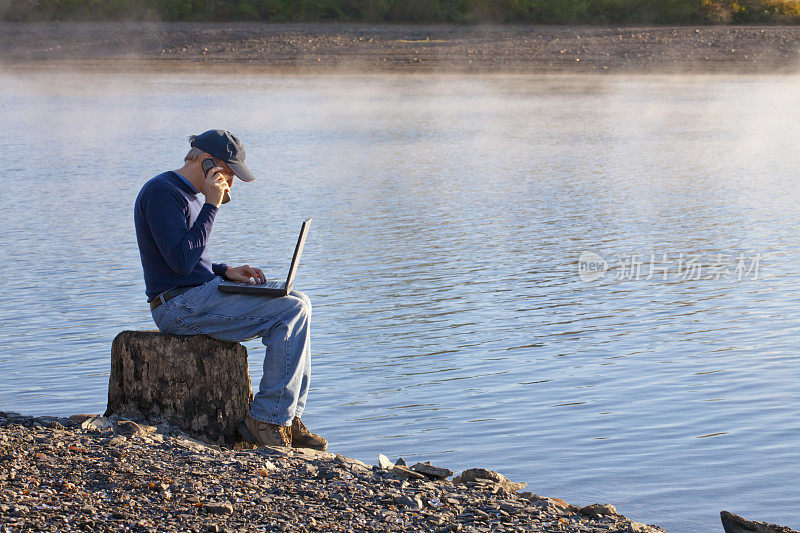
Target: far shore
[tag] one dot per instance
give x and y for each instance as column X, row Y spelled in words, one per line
column 370, row 48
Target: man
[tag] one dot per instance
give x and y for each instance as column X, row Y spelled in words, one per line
column 173, row 226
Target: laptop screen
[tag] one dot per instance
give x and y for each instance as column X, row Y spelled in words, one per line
column 298, row 249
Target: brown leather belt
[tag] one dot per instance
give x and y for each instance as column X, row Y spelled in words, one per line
column 166, row 296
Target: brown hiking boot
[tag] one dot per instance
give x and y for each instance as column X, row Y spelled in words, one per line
column 265, row 434
column 303, row 438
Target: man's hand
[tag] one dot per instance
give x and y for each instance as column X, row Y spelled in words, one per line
column 215, row 187
column 245, row 274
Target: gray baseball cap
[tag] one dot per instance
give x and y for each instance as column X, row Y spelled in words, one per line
column 225, row 145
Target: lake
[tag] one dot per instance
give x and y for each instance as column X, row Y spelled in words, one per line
column 585, row 283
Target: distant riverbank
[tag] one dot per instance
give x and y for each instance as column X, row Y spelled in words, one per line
column 407, row 48
column 415, row 11
column 99, row 474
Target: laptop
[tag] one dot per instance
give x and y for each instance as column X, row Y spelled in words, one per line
column 272, row 288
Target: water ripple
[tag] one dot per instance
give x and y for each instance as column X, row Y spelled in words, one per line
column 450, row 322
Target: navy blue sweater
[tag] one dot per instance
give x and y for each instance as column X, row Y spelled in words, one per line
column 172, row 227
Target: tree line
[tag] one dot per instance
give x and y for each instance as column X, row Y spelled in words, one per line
column 412, row 11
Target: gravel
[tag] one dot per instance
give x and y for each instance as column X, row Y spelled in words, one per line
column 102, row 474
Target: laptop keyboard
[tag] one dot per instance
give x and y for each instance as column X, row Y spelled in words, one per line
column 270, row 284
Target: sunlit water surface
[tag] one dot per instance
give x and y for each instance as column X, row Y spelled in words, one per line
column 450, row 321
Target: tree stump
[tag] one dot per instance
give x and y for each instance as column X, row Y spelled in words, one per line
column 194, row 382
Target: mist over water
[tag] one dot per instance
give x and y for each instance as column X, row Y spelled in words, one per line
column 450, row 322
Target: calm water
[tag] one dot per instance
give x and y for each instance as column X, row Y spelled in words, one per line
column 450, row 320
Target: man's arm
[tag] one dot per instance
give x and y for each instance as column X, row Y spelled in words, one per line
column 180, row 247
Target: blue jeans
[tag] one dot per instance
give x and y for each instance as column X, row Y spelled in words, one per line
column 283, row 323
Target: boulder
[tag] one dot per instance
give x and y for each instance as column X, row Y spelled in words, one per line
column 194, row 382
column 732, row 523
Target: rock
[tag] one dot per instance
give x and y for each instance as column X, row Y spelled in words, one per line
column 406, row 472
column 500, row 482
column 219, row 507
column 350, row 462
column 732, row 523
column 415, row 504
column 267, row 465
column 98, row 423
column 328, row 473
column 80, row 419
column 19, row 510
column 275, row 451
column 313, row 455
column 309, row 471
column 549, row 505
column 638, row 527
column 598, row 510
column 401, row 462
column 190, row 444
column 479, row 513
column 432, row 471
column 129, row 428
column 52, row 422
column 436, row 520
column 16, row 418
column 116, row 441
column 196, row 383
column 384, row 462
column 511, row 507
column 156, row 437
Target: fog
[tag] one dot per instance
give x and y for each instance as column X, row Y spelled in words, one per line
column 77, row 113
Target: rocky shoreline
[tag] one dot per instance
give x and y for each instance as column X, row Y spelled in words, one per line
column 340, row 47
column 93, row 473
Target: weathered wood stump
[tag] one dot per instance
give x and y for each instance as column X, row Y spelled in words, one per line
column 194, row 382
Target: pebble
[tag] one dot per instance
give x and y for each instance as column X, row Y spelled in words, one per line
column 219, row 507
column 384, row 462
column 85, row 473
